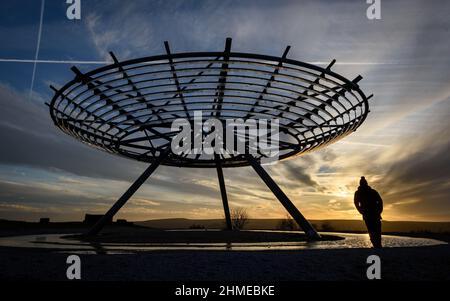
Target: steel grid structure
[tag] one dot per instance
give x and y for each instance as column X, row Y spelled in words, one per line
column 127, row 108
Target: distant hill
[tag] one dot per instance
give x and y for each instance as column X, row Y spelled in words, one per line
column 321, row 225
column 253, row 224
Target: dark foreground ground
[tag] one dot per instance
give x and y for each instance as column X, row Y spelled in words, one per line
column 422, row 263
column 418, row 263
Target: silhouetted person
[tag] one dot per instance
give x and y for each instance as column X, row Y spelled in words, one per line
column 369, row 203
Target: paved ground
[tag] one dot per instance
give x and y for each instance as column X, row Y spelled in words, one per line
column 398, row 262
column 419, row 263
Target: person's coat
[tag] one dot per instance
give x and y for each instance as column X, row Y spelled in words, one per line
column 368, row 202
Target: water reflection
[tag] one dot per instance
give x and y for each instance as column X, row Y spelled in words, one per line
column 56, row 241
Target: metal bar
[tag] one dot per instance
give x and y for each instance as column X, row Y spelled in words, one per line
column 190, row 82
column 222, row 78
column 88, row 81
column 269, row 81
column 81, row 109
column 196, row 55
column 305, row 94
column 140, row 97
column 223, row 192
column 241, row 69
column 237, row 95
column 284, row 200
column 197, row 75
column 175, row 77
column 128, row 194
column 337, row 93
column 316, row 81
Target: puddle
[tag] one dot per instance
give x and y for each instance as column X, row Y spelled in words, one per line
column 56, row 242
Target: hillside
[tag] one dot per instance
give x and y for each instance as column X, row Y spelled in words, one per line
column 321, row 225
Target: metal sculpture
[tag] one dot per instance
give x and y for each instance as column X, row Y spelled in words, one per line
column 127, row 108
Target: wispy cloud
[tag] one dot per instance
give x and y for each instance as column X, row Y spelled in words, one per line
column 133, row 35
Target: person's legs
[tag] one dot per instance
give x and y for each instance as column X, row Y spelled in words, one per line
column 374, row 228
column 369, row 228
column 377, row 233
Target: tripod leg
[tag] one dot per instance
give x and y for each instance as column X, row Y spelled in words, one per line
column 128, row 194
column 284, row 200
column 223, row 192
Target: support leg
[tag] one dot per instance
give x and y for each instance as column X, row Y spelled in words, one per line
column 223, row 192
column 284, row 200
column 128, row 194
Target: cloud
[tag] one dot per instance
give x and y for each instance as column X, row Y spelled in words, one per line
column 144, row 202
column 297, row 174
column 420, row 181
column 402, row 156
column 132, row 35
column 30, row 138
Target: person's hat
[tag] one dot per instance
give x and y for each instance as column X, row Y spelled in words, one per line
column 363, row 181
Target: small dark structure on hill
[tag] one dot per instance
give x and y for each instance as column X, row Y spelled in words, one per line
column 123, row 222
column 44, row 220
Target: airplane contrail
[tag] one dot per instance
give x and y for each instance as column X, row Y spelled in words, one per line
column 37, row 49
column 53, row 61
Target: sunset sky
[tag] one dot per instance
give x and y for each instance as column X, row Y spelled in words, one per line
column 403, row 148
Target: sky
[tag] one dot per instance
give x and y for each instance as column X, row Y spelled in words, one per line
column 402, row 148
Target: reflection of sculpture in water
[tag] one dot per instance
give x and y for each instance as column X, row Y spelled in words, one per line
column 369, row 203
